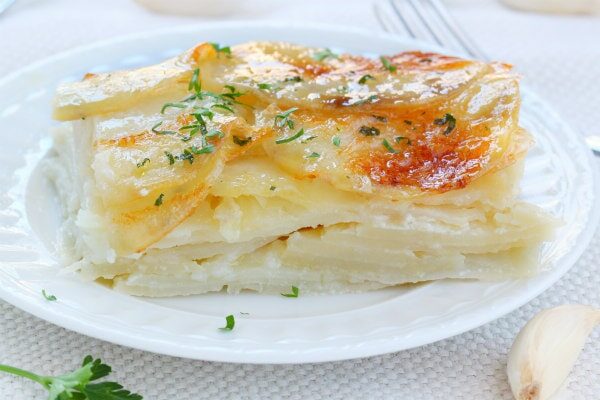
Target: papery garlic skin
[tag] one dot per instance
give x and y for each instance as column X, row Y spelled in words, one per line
column 545, row 350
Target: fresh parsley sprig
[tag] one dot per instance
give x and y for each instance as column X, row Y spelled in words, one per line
column 295, row 292
column 77, row 385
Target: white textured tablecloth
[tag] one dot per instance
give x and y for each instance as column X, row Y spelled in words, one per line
column 559, row 56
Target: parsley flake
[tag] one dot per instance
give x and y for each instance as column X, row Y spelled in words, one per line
column 369, row 99
column 241, row 141
column 313, row 155
column 293, row 79
column 170, row 158
column 219, row 49
column 388, row 146
column 267, row 86
column 195, row 84
column 336, row 141
column 324, row 54
column 143, row 162
column 173, row 105
column 369, row 130
column 290, row 138
column 272, row 188
column 363, row 79
column 49, row 297
column 162, row 132
column 294, row 293
column 387, row 64
column 447, row 119
column 283, row 119
column 230, row 323
column 159, row 200
column 399, row 139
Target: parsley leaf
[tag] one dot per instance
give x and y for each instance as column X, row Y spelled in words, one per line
column 389, row 147
column 272, row 188
column 294, row 293
column 290, row 138
column 162, row 132
column 363, row 79
column 448, row 119
column 173, row 105
column 241, row 141
column 399, row 139
column 369, row 131
column 293, row 79
column 76, row 385
column 195, row 84
column 170, row 157
column 159, row 200
column 283, row 119
column 230, row 323
column 267, row 86
column 387, row 64
column 324, row 54
column 336, row 141
column 369, row 99
column 219, row 49
column 313, row 155
column 49, row 297
column 143, row 162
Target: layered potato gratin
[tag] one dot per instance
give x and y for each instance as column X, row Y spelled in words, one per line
column 267, row 165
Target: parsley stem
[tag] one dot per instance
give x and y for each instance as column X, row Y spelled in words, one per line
column 23, row 373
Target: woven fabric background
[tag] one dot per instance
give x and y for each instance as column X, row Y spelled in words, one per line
column 559, row 56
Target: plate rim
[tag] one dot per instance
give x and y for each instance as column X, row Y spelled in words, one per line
column 55, row 316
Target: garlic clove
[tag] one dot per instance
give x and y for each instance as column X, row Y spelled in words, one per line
column 545, row 350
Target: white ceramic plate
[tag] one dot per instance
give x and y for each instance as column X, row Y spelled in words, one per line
column 559, row 177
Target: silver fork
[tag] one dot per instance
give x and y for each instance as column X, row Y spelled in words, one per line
column 430, row 21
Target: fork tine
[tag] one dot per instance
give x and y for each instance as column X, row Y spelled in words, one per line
column 466, row 43
column 386, row 24
column 420, row 12
column 402, row 19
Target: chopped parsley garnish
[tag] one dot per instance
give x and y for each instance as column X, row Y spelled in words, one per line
column 143, row 162
column 313, row 155
column 49, row 297
column 388, row 146
column 272, row 188
column 294, row 293
column 223, row 107
column 336, row 141
column 173, row 105
column 290, row 138
column 369, row 130
column 399, row 139
column 363, row 79
column 203, row 150
column 241, row 141
column 283, row 119
column 215, row 133
column 369, row 99
column 219, row 49
column 293, row 79
column 267, row 86
column 162, row 132
column 76, row 385
column 387, row 64
column 449, row 120
column 308, row 139
column 195, row 84
column 229, row 323
column 170, row 157
column 324, row 54
column 159, row 200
